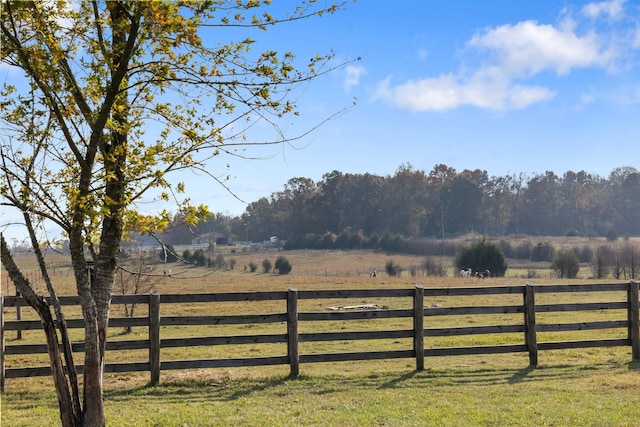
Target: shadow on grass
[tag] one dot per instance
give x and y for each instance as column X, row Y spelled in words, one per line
column 521, row 374
column 195, row 389
column 396, row 381
column 634, row 365
column 329, row 379
column 202, row 389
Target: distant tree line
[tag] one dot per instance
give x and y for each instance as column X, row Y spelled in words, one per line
column 441, row 203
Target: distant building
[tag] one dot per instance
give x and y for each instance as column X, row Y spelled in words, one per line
column 205, row 238
column 224, row 240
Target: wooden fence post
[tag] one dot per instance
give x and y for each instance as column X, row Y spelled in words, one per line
column 292, row 332
column 530, row 339
column 154, row 336
column 1, row 341
column 418, row 326
column 18, row 315
column 634, row 319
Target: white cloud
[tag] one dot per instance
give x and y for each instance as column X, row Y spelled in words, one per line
column 519, row 97
column 527, row 48
column 353, row 73
column 448, row 92
column 432, row 94
column 612, row 9
column 515, row 54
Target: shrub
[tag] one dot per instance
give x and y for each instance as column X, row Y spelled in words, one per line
column 612, row 234
column 565, row 264
column 602, row 261
column 219, row 261
column 168, row 254
column 392, row 268
column 543, row 251
column 200, row 258
column 507, row 249
column 585, row 254
column 523, row 250
column 283, row 265
column 433, row 267
column 631, row 261
column 253, row 266
column 266, row 265
column 413, row 270
column 480, row 256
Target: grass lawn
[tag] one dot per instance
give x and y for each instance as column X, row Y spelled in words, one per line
column 589, row 387
column 600, row 388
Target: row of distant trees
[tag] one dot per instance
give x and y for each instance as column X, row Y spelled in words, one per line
column 443, row 202
column 620, row 261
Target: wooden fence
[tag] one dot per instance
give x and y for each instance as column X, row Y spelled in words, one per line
column 528, row 329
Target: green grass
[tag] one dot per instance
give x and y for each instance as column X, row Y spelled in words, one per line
column 590, row 387
column 594, row 389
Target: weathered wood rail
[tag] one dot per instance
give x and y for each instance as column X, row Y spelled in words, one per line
column 528, row 328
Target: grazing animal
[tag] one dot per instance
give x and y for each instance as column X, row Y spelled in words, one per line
column 466, row 273
column 483, row 274
column 372, row 274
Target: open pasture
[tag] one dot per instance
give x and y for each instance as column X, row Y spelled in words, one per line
column 596, row 386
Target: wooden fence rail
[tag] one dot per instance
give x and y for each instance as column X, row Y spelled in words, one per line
column 291, row 337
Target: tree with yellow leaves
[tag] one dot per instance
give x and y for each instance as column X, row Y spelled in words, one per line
column 75, row 150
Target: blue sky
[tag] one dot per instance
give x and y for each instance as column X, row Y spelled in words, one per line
column 502, row 86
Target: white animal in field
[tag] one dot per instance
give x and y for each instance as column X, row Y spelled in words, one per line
column 372, row 274
column 466, row 273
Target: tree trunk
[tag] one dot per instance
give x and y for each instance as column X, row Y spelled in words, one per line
column 98, row 301
column 67, row 415
column 93, row 370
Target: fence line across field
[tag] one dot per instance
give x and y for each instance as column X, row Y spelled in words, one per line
column 293, row 318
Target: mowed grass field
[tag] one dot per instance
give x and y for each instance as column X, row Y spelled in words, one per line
column 588, row 387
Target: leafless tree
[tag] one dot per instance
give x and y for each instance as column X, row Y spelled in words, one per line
column 135, row 276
